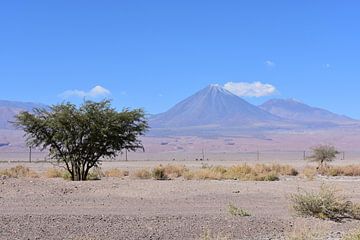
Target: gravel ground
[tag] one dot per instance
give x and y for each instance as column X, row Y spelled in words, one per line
column 115, row 208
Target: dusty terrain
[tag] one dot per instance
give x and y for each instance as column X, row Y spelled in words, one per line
column 115, row 208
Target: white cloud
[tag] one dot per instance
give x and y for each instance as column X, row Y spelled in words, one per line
column 270, row 63
column 97, row 91
column 255, row 89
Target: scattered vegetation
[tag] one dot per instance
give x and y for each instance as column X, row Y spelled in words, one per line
column 116, row 173
column 159, row 173
column 95, row 174
column 18, row 171
column 309, row 172
column 54, row 173
column 175, row 171
column 258, row 172
column 237, row 212
column 325, row 204
column 142, row 174
column 352, row 236
column 348, row 170
column 323, row 154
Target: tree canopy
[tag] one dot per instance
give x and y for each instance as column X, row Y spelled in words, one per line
column 82, row 136
column 323, row 154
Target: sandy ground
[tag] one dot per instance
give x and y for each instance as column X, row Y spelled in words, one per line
column 115, row 208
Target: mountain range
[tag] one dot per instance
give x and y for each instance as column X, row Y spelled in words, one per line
column 8, row 109
column 216, row 111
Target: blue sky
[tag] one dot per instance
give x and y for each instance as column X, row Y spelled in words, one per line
column 152, row 54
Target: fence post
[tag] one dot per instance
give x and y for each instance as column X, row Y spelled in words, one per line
column 258, row 155
column 29, row 154
column 304, row 155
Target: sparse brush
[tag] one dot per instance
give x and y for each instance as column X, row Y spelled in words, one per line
column 142, row 174
column 325, row 204
column 309, row 173
column 159, row 173
column 54, row 173
column 204, row 174
column 95, row 174
column 235, row 211
column 19, row 171
column 355, row 235
column 116, row 173
column 244, row 172
column 175, row 171
column 349, row 170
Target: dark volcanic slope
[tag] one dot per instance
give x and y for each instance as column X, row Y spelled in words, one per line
column 213, row 106
column 297, row 111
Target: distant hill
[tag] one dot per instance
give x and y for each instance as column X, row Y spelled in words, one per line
column 9, row 109
column 296, row 111
column 214, row 111
column 212, row 106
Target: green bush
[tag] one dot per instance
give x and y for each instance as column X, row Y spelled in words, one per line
column 235, row 211
column 159, row 173
column 325, row 204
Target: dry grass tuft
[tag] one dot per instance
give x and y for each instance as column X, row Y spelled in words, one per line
column 116, row 173
column 309, row 172
column 175, row 171
column 258, row 172
column 54, row 173
column 349, row 170
column 237, row 212
column 19, row 172
column 142, row 174
column 159, row 173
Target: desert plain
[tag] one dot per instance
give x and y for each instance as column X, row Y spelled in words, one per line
column 132, row 208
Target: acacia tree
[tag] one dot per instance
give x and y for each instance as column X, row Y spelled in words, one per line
column 81, row 136
column 323, row 154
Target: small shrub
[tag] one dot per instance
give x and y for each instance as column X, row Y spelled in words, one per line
column 66, row 175
column 95, row 174
column 142, row 174
column 175, row 171
column 310, row 172
column 349, row 170
column 116, row 173
column 54, row 173
column 19, row 171
column 235, row 211
column 271, row 177
column 325, row 204
column 159, row 173
column 204, row 174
